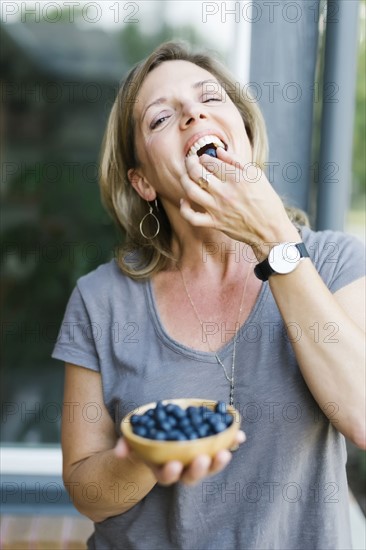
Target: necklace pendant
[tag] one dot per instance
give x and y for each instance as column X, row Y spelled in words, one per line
column 230, row 379
column 231, row 399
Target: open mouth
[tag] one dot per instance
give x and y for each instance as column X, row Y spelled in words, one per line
column 207, row 145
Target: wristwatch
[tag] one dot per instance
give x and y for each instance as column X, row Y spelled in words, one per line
column 283, row 258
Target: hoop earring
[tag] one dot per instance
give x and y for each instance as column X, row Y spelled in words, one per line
column 150, row 213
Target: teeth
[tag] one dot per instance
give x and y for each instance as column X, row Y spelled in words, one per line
column 205, row 141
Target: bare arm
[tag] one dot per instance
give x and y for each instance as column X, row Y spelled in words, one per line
column 247, row 208
column 327, row 334
column 104, row 478
column 100, row 484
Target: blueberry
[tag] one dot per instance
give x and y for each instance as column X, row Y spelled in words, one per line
column 135, row 419
column 159, row 435
column 211, row 151
column 218, row 427
column 179, row 415
column 191, row 411
column 184, row 422
column 196, row 421
column 220, row 407
column 214, row 418
column 205, row 411
column 175, row 411
column 159, row 407
column 176, row 435
column 151, row 433
column 171, row 422
column 150, row 423
column 228, row 419
column 140, row 430
column 203, row 430
column 165, row 425
column 160, row 415
column 144, row 419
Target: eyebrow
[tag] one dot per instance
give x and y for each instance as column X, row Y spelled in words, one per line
column 195, row 86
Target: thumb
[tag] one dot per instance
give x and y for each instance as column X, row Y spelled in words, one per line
column 121, row 450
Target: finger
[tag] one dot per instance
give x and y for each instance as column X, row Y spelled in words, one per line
column 194, row 161
column 224, row 170
column 199, row 219
column 169, row 473
column 249, row 171
column 239, row 439
column 197, row 172
column 220, row 461
column 121, row 450
column 195, row 191
column 231, row 158
column 216, row 165
column 198, row 469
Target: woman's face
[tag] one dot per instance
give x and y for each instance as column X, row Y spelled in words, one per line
column 179, row 103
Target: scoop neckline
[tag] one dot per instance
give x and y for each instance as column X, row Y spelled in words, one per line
column 206, row 356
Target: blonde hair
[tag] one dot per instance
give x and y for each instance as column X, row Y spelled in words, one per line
column 124, row 204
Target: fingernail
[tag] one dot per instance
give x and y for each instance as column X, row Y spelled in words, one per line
column 120, row 448
column 176, row 467
column 242, row 437
column 227, row 456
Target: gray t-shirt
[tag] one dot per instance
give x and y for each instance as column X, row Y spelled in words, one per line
column 286, row 487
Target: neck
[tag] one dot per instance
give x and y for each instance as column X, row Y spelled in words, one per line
column 208, row 252
column 213, row 255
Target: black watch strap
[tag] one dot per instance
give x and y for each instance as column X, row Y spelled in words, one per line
column 264, row 270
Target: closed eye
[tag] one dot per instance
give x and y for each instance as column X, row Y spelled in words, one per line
column 207, row 99
column 158, row 121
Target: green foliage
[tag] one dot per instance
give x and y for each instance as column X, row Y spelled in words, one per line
column 136, row 45
column 54, row 231
column 359, row 164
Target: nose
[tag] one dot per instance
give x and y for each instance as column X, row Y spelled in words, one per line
column 192, row 112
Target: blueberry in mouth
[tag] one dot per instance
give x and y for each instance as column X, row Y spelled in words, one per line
column 208, row 149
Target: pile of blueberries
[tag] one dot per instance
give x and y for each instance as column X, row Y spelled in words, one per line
column 172, row 423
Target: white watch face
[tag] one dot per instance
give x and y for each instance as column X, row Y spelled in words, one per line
column 284, row 258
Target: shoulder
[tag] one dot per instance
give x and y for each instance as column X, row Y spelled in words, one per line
column 103, row 274
column 330, row 246
column 338, row 257
column 106, row 283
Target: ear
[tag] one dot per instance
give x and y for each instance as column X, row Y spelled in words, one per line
column 141, row 185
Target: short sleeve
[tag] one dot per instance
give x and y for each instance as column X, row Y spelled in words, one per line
column 338, row 257
column 75, row 342
column 351, row 262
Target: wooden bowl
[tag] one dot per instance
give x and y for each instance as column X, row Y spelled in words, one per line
column 160, row 452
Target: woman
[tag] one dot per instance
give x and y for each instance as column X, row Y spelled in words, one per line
column 201, row 302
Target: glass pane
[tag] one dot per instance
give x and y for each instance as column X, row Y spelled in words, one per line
column 61, row 69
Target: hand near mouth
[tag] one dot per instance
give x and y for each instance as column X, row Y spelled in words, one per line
column 237, row 199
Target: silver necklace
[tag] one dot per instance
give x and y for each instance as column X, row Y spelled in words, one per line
column 231, row 378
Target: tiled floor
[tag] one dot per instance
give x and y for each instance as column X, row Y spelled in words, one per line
column 44, row 532
column 71, row 533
